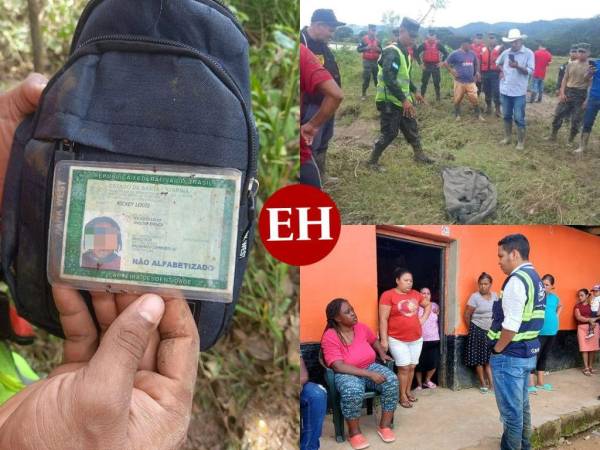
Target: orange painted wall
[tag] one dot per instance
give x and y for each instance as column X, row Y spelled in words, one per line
column 569, row 254
column 349, row 271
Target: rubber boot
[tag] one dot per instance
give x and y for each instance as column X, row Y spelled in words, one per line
column 553, row 136
column 488, row 109
column 321, row 161
column 572, row 136
column 373, row 162
column 532, row 98
column 583, row 145
column 478, row 114
column 507, row 133
column 457, row 112
column 419, row 154
column 539, row 100
column 520, row 138
column 498, row 112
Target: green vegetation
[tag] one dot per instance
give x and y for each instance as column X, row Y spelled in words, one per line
column 247, row 385
column 543, row 184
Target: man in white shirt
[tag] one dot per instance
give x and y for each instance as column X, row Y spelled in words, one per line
column 516, row 322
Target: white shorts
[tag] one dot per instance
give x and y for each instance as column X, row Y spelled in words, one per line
column 405, row 353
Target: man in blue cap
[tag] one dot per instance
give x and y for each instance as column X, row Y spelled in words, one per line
column 316, row 37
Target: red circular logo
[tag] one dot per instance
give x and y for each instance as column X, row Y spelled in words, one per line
column 299, row 224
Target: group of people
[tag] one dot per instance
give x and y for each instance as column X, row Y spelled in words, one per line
column 408, row 331
column 504, row 75
column 509, row 341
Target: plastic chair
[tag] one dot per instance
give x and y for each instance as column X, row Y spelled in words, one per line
column 333, row 400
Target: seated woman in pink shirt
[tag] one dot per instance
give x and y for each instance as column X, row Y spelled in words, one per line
column 349, row 349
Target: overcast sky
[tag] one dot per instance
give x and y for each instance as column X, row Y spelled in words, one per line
column 457, row 12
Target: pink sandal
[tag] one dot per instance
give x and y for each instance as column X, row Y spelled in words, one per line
column 430, row 384
column 386, row 434
column 358, row 441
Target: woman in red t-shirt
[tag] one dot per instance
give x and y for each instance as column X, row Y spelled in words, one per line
column 400, row 329
column 349, row 348
column 588, row 346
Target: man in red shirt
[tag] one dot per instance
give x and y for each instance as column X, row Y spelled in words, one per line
column 315, row 79
column 543, row 58
column 370, row 48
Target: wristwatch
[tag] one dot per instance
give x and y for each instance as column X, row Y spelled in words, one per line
column 494, row 352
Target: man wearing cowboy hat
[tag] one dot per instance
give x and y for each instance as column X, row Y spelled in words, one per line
column 316, row 37
column 517, row 63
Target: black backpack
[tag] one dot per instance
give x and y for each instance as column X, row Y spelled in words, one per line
column 147, row 81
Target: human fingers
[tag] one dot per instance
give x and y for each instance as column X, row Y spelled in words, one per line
column 306, row 134
column 105, row 307
column 81, row 337
column 122, row 348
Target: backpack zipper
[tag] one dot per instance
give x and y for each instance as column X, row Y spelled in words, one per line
column 222, row 74
column 219, row 5
column 251, row 180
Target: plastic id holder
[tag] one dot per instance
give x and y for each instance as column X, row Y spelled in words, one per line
column 132, row 228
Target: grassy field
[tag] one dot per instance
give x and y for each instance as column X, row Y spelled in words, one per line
column 545, row 183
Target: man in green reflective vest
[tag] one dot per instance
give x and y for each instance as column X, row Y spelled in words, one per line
column 396, row 95
column 517, row 318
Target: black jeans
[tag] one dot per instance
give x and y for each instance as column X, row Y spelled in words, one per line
column 309, row 173
column 370, row 69
column 431, row 70
column 546, row 343
column 392, row 122
column 491, row 87
column 572, row 107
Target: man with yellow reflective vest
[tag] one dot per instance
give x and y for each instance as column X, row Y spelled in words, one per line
column 396, row 95
column 517, row 319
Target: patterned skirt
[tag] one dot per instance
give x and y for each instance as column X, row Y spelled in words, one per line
column 477, row 350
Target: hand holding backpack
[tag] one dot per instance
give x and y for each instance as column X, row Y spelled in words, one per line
column 147, row 82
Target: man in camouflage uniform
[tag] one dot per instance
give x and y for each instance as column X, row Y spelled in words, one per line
column 573, row 92
column 396, row 95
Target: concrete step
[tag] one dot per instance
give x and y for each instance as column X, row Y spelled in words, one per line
column 469, row 420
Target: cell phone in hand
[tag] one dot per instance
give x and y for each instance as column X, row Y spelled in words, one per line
column 591, row 62
column 511, row 58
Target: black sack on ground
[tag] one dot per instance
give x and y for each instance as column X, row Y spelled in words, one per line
column 470, row 195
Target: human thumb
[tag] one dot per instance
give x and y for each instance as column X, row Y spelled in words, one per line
column 124, row 343
column 24, row 98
